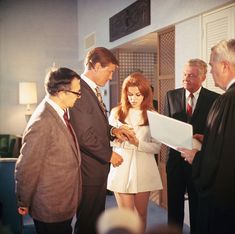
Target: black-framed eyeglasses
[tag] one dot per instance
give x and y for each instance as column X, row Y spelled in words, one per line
column 76, row 93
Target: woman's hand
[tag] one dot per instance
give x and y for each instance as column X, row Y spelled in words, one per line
column 134, row 141
column 123, row 133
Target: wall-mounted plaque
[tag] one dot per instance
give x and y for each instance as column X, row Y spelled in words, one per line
column 131, row 19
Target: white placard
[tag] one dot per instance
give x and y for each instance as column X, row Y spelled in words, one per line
column 169, row 131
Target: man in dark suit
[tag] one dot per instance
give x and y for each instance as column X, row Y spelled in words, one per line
column 214, row 166
column 94, row 133
column 155, row 102
column 179, row 172
column 48, row 175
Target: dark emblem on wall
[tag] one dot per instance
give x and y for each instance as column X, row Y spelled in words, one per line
column 131, row 19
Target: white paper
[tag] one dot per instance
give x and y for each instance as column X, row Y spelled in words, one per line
column 169, row 131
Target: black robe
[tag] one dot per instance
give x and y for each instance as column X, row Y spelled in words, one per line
column 213, row 167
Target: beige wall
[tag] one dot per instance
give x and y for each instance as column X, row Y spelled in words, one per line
column 163, row 14
column 36, row 33
column 33, row 35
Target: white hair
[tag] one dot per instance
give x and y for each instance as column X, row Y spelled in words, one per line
column 225, row 50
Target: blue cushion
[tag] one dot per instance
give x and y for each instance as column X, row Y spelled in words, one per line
column 10, row 216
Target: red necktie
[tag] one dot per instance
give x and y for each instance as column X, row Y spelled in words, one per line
column 189, row 107
column 66, row 119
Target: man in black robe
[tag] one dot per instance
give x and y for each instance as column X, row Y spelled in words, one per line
column 213, row 167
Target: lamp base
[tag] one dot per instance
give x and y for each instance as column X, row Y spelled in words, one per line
column 27, row 117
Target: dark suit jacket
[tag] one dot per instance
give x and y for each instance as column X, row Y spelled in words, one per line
column 175, row 107
column 93, row 133
column 155, row 104
column 48, row 175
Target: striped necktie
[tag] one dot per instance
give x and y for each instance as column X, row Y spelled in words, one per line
column 189, row 107
column 99, row 96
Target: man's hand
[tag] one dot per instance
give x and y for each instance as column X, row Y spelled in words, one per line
column 199, row 137
column 116, row 159
column 187, row 154
column 124, row 133
column 23, row 210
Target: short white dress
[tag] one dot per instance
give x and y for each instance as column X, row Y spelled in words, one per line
column 139, row 171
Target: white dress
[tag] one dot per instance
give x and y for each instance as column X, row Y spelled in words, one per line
column 139, row 171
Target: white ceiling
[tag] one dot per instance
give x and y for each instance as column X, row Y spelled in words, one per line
column 147, row 43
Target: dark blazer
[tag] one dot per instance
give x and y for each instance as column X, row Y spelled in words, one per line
column 175, row 107
column 93, row 132
column 48, row 175
column 179, row 172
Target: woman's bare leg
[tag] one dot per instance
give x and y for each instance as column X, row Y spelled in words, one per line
column 141, row 204
column 125, row 200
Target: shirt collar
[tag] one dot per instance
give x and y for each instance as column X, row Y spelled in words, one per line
column 230, row 83
column 90, row 82
column 195, row 94
column 55, row 106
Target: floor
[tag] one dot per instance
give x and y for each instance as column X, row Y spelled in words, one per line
column 156, row 214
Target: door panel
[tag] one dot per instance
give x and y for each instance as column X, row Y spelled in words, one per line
column 165, row 82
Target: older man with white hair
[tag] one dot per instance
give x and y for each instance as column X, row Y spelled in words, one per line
column 214, row 166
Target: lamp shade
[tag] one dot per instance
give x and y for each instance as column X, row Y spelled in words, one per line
column 27, row 93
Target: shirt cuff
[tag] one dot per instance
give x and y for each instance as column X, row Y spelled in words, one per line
column 111, row 132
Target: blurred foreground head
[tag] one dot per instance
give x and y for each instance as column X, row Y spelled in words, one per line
column 119, row 221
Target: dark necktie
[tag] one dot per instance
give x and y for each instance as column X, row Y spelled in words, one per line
column 69, row 126
column 189, row 107
column 99, row 96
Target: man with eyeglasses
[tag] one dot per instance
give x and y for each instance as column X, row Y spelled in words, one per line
column 48, row 174
column 89, row 120
column 190, row 104
column 78, row 94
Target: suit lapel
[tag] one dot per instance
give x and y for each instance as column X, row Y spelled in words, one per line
column 64, row 129
column 199, row 104
column 88, row 88
column 183, row 101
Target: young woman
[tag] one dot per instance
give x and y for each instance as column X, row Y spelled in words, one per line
column 133, row 180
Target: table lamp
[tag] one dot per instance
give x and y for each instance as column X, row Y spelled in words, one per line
column 27, row 96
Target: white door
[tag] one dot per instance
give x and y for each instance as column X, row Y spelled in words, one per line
column 217, row 25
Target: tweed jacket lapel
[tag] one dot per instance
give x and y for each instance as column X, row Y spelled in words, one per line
column 64, row 128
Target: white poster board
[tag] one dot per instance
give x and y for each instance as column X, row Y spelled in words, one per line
column 169, row 131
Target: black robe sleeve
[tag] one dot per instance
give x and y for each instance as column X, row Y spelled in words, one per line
column 214, row 166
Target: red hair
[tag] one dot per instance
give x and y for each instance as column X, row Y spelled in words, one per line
column 138, row 80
